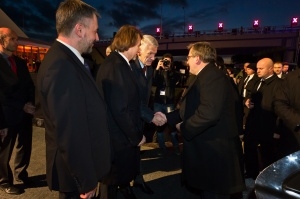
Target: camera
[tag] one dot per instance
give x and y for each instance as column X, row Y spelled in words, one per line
column 166, row 63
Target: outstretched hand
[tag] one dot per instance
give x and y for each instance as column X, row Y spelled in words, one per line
column 89, row 194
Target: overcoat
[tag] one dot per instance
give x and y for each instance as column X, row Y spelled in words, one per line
column 211, row 147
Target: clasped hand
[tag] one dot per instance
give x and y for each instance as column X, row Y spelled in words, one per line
column 29, row 108
column 159, row 119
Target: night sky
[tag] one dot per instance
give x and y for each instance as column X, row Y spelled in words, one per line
column 37, row 18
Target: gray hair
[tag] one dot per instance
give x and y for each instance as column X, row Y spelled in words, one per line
column 204, row 50
column 148, row 39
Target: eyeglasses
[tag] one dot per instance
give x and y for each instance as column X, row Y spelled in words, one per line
column 188, row 57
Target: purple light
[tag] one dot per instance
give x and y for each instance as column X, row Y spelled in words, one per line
column 295, row 20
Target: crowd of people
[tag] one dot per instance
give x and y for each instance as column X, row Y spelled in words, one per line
column 232, row 127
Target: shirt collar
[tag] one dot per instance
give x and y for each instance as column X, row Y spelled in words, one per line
column 124, row 57
column 141, row 63
column 74, row 50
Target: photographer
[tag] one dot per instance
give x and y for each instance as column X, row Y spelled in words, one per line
column 165, row 80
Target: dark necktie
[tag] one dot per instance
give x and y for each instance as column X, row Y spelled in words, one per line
column 86, row 65
column 144, row 70
column 244, row 86
column 12, row 64
column 246, row 80
column 261, row 84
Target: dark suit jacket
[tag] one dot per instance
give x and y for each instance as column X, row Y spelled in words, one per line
column 77, row 138
column 165, row 80
column 251, row 84
column 15, row 91
column 2, row 120
column 121, row 92
column 287, row 104
column 261, row 121
column 249, row 87
column 211, row 147
column 144, row 84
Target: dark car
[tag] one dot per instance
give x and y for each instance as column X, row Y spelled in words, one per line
column 280, row 180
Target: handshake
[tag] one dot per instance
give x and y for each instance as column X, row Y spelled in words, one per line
column 159, row 119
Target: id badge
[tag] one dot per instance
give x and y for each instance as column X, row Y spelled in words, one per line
column 163, row 92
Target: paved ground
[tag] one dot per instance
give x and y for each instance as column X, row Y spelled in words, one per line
column 161, row 173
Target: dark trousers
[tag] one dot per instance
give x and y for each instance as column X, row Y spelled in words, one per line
column 191, row 193
column 258, row 155
column 69, row 195
column 21, row 135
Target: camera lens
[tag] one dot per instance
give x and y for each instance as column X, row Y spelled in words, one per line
column 166, row 62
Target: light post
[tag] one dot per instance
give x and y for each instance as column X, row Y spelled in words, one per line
column 160, row 20
column 183, row 20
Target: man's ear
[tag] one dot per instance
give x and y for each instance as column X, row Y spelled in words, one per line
column 79, row 30
column 2, row 40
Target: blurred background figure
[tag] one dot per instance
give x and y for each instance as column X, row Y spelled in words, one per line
column 285, row 68
column 17, row 99
column 165, row 80
column 287, row 107
column 261, row 131
column 278, row 67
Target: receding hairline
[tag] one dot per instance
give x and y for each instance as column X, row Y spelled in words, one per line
column 6, row 31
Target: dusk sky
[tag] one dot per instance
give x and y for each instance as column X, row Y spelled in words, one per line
column 37, row 17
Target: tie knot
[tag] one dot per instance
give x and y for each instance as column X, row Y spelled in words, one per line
column 145, row 68
column 10, row 58
column 86, row 65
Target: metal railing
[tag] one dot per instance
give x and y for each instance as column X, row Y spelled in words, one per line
column 231, row 31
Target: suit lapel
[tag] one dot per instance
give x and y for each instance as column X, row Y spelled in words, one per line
column 191, row 81
column 77, row 63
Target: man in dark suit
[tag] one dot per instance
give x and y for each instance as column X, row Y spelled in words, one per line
column 261, row 128
column 144, row 74
column 245, row 87
column 17, row 99
column 287, row 107
column 121, row 92
column 211, row 164
column 78, row 153
column 278, row 66
column 3, row 127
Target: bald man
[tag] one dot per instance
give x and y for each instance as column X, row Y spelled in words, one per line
column 260, row 126
column 16, row 99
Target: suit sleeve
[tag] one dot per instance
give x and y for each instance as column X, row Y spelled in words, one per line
column 146, row 113
column 283, row 104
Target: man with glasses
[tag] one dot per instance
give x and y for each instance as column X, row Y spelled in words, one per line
column 211, row 164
